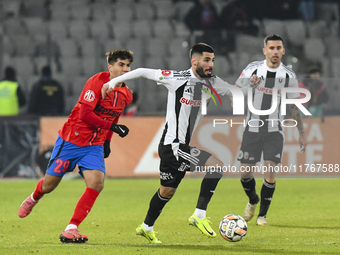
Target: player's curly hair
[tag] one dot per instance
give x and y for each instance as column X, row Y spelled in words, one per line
column 113, row 55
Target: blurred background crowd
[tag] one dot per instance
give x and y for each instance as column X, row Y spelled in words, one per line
column 51, row 47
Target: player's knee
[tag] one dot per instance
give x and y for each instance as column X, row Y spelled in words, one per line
column 167, row 192
column 98, row 186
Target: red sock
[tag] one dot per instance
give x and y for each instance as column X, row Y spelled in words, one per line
column 38, row 193
column 84, row 206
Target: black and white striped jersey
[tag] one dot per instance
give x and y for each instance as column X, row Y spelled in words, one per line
column 184, row 102
column 279, row 78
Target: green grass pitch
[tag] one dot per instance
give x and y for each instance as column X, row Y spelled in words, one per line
column 304, row 218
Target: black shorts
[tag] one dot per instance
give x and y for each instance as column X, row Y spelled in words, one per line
column 172, row 170
column 253, row 144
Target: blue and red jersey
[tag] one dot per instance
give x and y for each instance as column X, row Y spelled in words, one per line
column 107, row 111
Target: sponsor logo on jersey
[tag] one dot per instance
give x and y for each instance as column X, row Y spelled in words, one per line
column 190, row 102
column 267, row 90
column 109, row 112
column 89, row 96
column 166, row 72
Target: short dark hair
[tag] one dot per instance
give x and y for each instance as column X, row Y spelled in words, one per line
column 113, row 55
column 46, row 71
column 200, row 48
column 10, row 74
column 273, row 37
column 314, row 69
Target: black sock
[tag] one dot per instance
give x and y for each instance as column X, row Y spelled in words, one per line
column 156, row 206
column 208, row 187
column 267, row 192
column 249, row 187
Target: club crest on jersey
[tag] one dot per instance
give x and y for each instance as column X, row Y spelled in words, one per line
column 195, row 152
column 89, row 96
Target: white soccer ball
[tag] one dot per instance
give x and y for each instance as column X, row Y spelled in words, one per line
column 233, row 227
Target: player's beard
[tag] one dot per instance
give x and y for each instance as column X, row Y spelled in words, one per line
column 275, row 61
column 201, row 73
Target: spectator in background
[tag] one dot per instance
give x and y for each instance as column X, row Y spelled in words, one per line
column 203, row 16
column 236, row 19
column 319, row 95
column 283, row 9
column 307, row 9
column 131, row 109
column 11, row 94
column 47, row 95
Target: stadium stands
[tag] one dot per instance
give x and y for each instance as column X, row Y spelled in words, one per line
column 73, row 36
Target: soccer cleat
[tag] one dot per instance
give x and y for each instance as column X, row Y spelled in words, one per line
column 249, row 212
column 202, row 225
column 151, row 236
column 261, row 221
column 26, row 207
column 72, row 236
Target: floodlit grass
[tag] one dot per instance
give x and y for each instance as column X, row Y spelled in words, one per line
column 304, row 218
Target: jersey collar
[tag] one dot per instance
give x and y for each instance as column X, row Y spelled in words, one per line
column 271, row 69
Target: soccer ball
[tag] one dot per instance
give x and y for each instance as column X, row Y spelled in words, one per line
column 233, row 228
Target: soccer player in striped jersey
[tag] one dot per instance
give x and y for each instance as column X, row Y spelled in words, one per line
column 185, row 95
column 84, row 139
column 263, row 134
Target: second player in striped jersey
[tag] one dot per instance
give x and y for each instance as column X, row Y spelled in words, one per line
column 264, row 134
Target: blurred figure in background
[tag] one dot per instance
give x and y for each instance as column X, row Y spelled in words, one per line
column 11, row 94
column 283, row 9
column 319, row 95
column 131, row 109
column 307, row 9
column 203, row 16
column 47, row 95
column 236, row 19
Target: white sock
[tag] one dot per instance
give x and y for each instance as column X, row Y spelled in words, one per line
column 200, row 213
column 33, row 198
column 147, row 228
column 70, row 226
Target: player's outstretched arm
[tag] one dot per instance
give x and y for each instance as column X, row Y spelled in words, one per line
column 151, row 74
column 253, row 83
column 296, row 114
